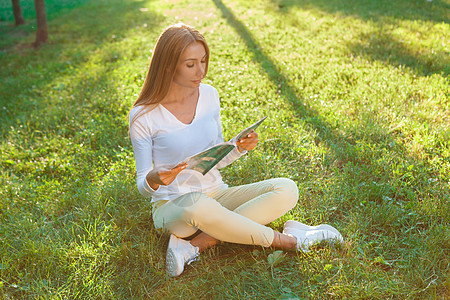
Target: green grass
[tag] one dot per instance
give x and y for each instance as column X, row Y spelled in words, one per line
column 357, row 98
column 11, row 33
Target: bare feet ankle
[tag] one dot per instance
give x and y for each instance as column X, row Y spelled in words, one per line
column 204, row 241
column 284, row 241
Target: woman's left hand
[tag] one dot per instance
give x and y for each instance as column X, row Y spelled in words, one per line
column 248, row 143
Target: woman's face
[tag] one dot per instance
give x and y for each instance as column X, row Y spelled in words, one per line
column 191, row 67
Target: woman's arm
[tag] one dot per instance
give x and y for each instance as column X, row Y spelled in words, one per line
column 149, row 178
column 142, row 148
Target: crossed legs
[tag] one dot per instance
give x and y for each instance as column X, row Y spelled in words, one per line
column 235, row 215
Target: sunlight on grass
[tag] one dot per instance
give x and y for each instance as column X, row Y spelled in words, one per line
column 357, row 98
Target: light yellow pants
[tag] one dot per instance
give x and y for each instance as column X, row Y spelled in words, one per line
column 236, row 214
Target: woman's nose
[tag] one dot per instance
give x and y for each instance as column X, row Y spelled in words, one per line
column 201, row 70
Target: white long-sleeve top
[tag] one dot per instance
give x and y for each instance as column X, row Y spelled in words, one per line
column 160, row 140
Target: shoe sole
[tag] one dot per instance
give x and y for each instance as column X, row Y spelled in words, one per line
column 173, row 267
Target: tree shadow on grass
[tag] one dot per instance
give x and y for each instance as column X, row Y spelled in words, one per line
column 60, row 105
column 345, row 151
column 381, row 44
column 11, row 34
column 31, row 78
column 52, row 8
column 289, row 92
column 63, row 110
column 376, row 10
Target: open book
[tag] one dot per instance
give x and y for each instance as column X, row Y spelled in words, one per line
column 206, row 160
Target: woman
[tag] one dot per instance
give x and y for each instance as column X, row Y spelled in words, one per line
column 176, row 116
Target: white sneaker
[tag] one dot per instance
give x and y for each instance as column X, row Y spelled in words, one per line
column 300, row 236
column 179, row 253
column 300, row 226
column 307, row 238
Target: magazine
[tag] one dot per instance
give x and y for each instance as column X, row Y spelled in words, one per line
column 206, row 160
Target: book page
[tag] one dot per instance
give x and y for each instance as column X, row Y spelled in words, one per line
column 206, row 160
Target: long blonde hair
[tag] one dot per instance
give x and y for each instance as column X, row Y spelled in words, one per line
column 166, row 54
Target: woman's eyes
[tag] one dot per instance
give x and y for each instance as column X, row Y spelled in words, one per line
column 192, row 65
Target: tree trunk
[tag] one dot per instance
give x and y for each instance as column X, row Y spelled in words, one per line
column 41, row 18
column 18, row 17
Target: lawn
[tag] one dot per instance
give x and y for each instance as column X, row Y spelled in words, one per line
column 357, row 98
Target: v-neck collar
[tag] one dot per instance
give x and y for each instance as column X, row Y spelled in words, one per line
column 195, row 113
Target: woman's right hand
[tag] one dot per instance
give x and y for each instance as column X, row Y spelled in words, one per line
column 155, row 178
